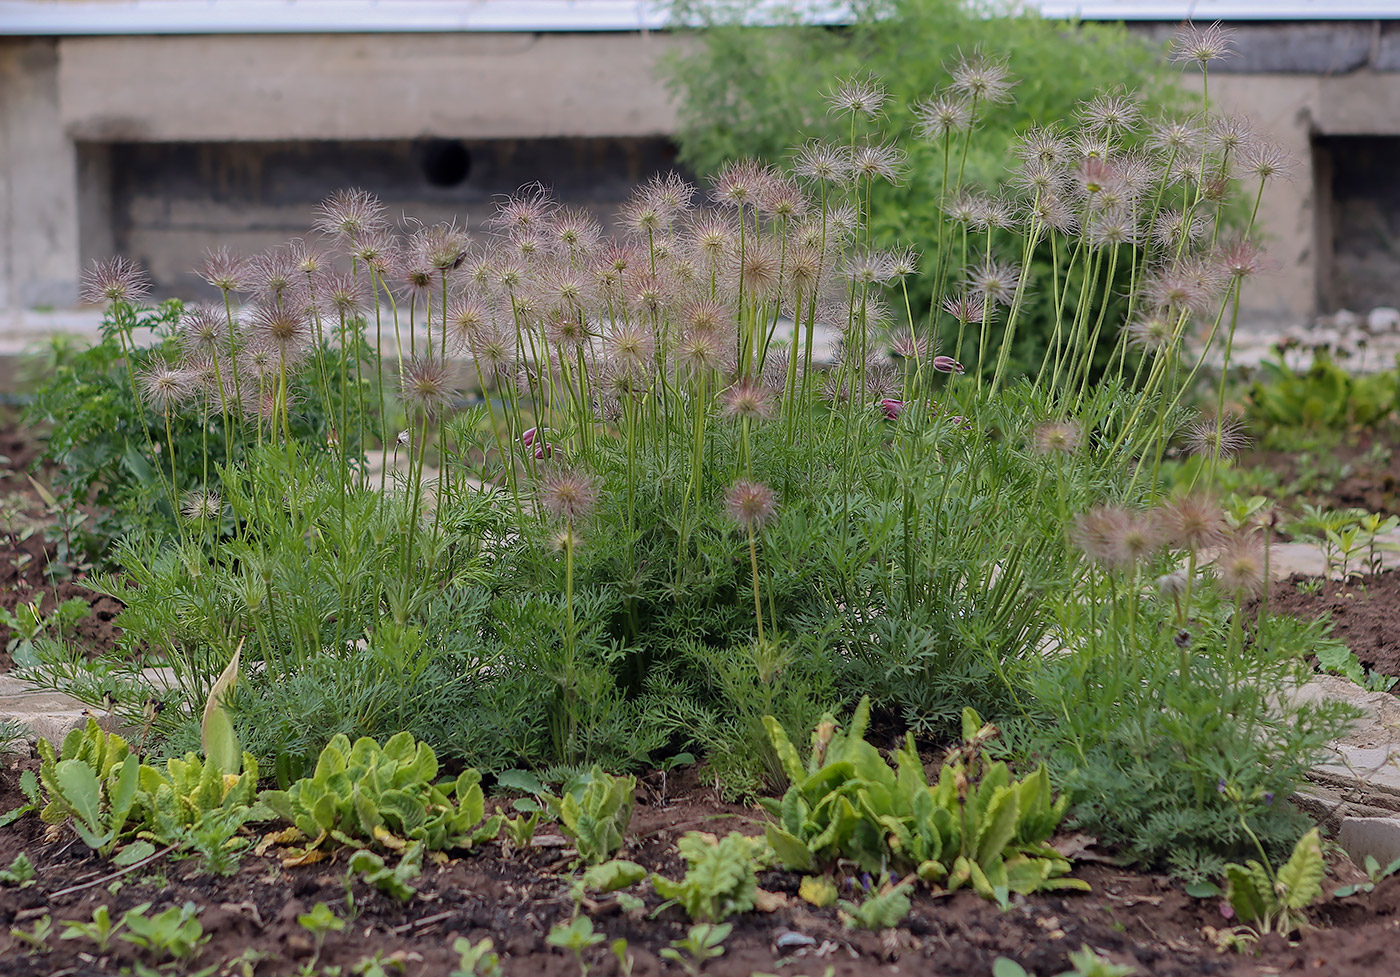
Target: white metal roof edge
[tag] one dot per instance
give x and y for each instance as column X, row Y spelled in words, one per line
column 116, row 17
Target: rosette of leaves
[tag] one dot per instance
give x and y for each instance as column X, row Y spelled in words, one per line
column 190, row 789
column 976, row 826
column 92, row 779
column 721, row 876
column 593, row 812
column 1277, row 902
column 366, row 795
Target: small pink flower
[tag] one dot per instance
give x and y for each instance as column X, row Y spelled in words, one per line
column 1227, row 910
column 892, row 408
column 946, row 364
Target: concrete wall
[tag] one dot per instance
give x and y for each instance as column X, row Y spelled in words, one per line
column 38, row 181
column 1299, row 217
column 76, row 112
column 167, row 202
column 383, row 86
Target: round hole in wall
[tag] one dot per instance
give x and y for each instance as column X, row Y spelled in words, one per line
column 445, row 162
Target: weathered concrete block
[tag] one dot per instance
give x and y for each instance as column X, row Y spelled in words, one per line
column 1377, row 837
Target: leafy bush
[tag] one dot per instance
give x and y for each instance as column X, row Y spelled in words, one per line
column 1322, row 396
column 974, row 827
column 761, row 91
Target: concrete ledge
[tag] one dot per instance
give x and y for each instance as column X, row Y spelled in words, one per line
column 1376, row 837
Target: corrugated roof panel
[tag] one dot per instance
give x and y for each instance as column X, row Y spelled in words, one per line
column 114, row 17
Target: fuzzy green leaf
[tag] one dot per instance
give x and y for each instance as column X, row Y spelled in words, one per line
column 1300, row 878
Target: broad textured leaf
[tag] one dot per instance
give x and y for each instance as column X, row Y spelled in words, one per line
column 1249, row 903
column 792, row 853
column 81, row 790
column 221, row 746
column 611, row 876
column 998, row 825
column 1301, row 876
column 787, row 753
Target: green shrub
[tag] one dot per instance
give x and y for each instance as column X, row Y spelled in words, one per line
column 761, row 91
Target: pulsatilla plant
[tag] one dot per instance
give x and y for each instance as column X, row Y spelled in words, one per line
column 544, row 495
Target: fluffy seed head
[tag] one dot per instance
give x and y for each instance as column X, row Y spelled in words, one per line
column 1222, row 437
column 982, row 78
column 529, row 209
column 1265, row 161
column 822, row 161
column 750, row 504
column 860, row 96
column 878, row 161
column 114, row 280
column 749, row 400
column 1056, row 438
column 993, row 281
column 1240, row 566
column 350, row 214
column 1193, row 522
column 164, row 386
column 224, row 270
column 568, row 495
column 1111, row 113
column 200, row 505
column 426, row 385
column 203, row 330
column 1150, row 331
column 943, row 115
column 1192, row 44
column 282, row 329
column 740, row 184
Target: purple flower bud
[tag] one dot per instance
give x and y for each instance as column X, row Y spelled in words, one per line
column 892, row 408
column 946, row 364
column 1268, row 798
column 1220, row 787
column 528, row 438
column 1227, row 910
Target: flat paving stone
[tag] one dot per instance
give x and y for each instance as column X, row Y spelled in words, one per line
column 44, row 713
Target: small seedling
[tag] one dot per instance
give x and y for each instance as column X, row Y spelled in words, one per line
column 20, row 873
column 320, row 922
column 520, row 830
column 37, row 939
column 176, row 932
column 1375, row 874
column 704, row 942
column 100, row 931
column 29, row 784
column 625, row 960
column 881, row 909
column 1086, row 962
column 391, row 881
column 476, row 959
column 576, row 936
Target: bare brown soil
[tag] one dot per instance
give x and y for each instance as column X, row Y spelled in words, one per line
column 27, row 571
column 1138, row 919
column 1362, row 471
column 1365, row 612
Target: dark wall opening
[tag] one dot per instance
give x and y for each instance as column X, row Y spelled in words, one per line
column 1358, row 213
column 163, row 203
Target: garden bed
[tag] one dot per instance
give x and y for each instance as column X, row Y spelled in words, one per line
column 1134, row 918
